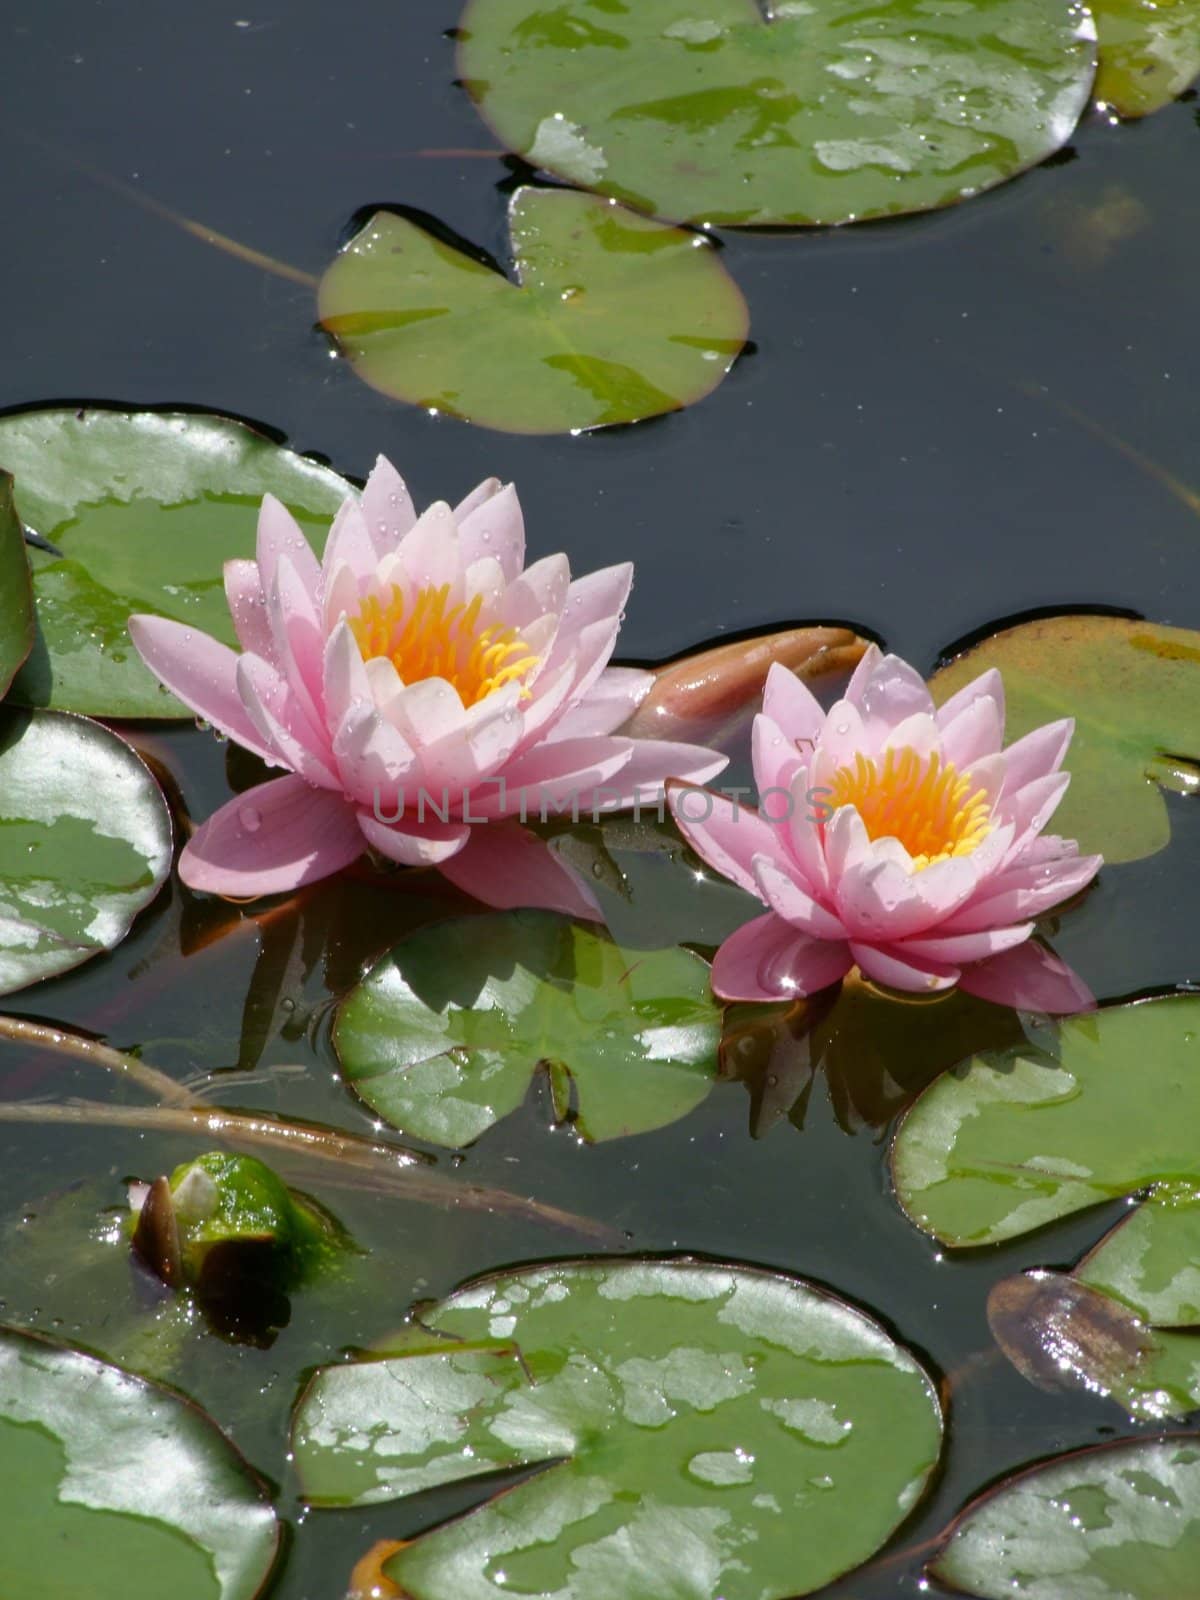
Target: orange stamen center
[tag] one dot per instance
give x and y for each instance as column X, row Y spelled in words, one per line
column 436, row 640
column 922, row 801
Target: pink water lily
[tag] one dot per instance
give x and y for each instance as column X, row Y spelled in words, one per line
column 428, row 694
column 895, row 836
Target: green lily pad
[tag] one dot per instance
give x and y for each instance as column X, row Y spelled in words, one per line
column 1151, row 1261
column 1149, row 52
column 85, row 842
column 1021, row 1137
column 1134, row 691
column 1121, row 1522
column 16, row 595
column 611, row 317
column 832, row 111
column 442, row 1036
column 145, row 508
column 703, row 1430
column 119, row 1490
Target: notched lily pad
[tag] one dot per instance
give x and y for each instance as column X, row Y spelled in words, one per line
column 145, row 508
column 1149, row 52
column 117, row 1489
column 1121, row 1522
column 85, row 843
column 16, row 594
column 1134, row 691
column 702, row 1430
column 1017, row 1138
column 611, row 317
column 442, row 1036
column 817, row 112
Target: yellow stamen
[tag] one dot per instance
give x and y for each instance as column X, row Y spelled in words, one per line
column 436, row 640
column 924, row 803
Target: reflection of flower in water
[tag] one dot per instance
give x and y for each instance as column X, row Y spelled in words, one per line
column 421, row 658
column 923, row 862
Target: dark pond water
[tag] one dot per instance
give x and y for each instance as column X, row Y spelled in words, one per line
column 945, row 422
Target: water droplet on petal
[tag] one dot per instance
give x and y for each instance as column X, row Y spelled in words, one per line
column 250, row 818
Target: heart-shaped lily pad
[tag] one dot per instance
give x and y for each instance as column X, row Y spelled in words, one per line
column 16, row 595
column 113, row 1488
column 1149, row 52
column 831, row 111
column 1134, row 691
column 442, row 1036
column 705, row 1430
column 611, row 318
column 1022, row 1137
column 1121, row 1522
column 145, row 508
column 85, row 842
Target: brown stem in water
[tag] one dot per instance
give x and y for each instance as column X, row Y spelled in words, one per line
column 90, row 1051
column 349, row 1161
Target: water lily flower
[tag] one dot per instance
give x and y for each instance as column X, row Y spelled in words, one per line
column 896, row 837
column 428, row 693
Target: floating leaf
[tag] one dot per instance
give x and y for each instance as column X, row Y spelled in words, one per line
column 1023, row 1136
column 1121, row 1522
column 1134, row 691
column 16, row 596
column 1151, row 1260
column 831, row 111
column 85, row 842
column 442, row 1036
column 611, row 318
column 704, row 1430
column 145, row 508
column 118, row 1490
column 1149, row 52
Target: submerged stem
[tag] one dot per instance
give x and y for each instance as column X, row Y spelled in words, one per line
column 42, row 1037
column 349, row 1161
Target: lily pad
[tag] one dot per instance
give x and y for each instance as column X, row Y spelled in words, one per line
column 830, row 111
column 1151, row 1260
column 145, row 508
column 85, row 842
column 611, row 317
column 1149, row 52
column 442, row 1036
column 16, row 595
column 1022, row 1136
column 1134, row 691
column 120, row 1490
column 1121, row 1522
column 702, row 1430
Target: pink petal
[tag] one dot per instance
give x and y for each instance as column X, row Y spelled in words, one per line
column 766, row 959
column 1031, row 808
column 202, row 673
column 958, row 948
column 248, row 608
column 1037, row 755
column 281, row 722
column 279, row 534
column 350, row 543
column 893, row 967
column 429, row 553
column 428, row 844
column 505, row 865
column 427, row 712
column 299, row 642
column 272, row 840
column 726, row 835
column 977, row 731
column 345, row 678
column 565, row 772
column 866, row 669
column 375, row 763
column 881, row 901
column 918, row 732
column 387, row 507
column 655, row 762
column 608, row 704
column 599, row 597
column 777, row 761
column 792, row 706
column 843, row 736
column 1020, row 893
column 988, row 685
column 540, row 590
column 479, row 495
column 785, row 897
column 494, row 526
column 1029, row 978
column 891, row 693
